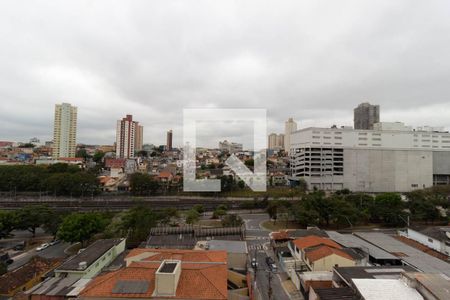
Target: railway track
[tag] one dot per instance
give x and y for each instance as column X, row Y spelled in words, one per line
column 103, row 204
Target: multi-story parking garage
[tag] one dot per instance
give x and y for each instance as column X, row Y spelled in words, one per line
column 398, row 160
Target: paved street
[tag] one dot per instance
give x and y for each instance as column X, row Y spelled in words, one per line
column 55, row 251
column 258, row 246
column 20, row 258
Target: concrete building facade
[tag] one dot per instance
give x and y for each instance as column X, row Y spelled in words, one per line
column 64, row 131
column 289, row 127
column 231, row 147
column 128, row 137
column 169, row 140
column 366, row 115
column 370, row 160
column 276, row 141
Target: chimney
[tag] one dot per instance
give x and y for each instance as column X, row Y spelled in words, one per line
column 166, row 278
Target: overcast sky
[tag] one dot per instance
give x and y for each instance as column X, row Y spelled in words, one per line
column 313, row 61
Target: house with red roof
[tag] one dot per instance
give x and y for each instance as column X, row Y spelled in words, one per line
column 321, row 253
column 164, row 274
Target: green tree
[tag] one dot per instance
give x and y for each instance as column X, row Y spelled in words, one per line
column 199, row 208
column 82, row 153
column 192, row 216
column 3, row 268
column 272, row 209
column 143, row 185
column 387, row 208
column 80, row 227
column 33, row 216
column 7, row 223
column 98, row 156
column 138, row 221
column 232, row 220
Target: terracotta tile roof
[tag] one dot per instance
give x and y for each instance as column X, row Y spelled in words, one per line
column 165, row 174
column 37, row 266
column 183, row 255
column 280, row 235
column 71, row 158
column 312, row 240
column 115, row 162
column 198, row 280
column 319, row 252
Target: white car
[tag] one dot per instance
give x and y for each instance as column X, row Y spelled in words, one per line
column 42, row 247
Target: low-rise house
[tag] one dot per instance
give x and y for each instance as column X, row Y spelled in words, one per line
column 375, row 289
column 26, row 276
column 331, row 294
column 186, row 237
column 343, row 276
column 303, row 281
column 320, row 253
column 165, row 176
column 435, row 237
column 161, row 274
column 92, row 260
column 116, row 166
column 236, row 251
column 57, row 288
column 430, row 286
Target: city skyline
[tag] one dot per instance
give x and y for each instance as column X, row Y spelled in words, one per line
column 164, row 57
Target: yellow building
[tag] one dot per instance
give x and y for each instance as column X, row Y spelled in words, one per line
column 64, row 131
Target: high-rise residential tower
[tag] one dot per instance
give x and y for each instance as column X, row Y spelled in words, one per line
column 169, row 140
column 272, row 141
column 289, row 126
column 128, row 137
column 365, row 115
column 65, row 131
column 280, row 141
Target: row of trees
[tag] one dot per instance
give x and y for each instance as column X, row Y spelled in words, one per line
column 57, row 179
column 348, row 209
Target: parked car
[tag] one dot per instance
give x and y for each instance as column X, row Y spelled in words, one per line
column 19, row 246
column 54, row 242
column 271, row 263
column 43, row 246
column 4, row 258
column 254, row 263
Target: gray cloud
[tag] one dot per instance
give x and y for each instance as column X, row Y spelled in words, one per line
column 313, row 61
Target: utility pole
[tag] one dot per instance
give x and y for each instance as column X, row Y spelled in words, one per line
column 269, row 290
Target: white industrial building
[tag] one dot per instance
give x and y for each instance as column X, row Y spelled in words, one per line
column 390, row 158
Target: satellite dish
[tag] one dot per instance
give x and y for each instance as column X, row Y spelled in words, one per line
column 447, row 234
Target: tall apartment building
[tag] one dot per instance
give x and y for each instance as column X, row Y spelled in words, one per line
column 128, row 137
column 272, row 141
column 289, row 126
column 276, row 141
column 365, row 115
column 169, row 140
column 64, row 131
column 370, row 160
column 280, row 141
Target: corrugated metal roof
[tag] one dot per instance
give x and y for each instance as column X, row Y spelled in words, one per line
column 352, row 241
column 410, row 255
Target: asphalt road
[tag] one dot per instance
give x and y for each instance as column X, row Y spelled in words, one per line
column 20, row 258
column 258, row 246
column 55, row 251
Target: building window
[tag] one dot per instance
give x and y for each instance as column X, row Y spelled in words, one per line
column 414, row 185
